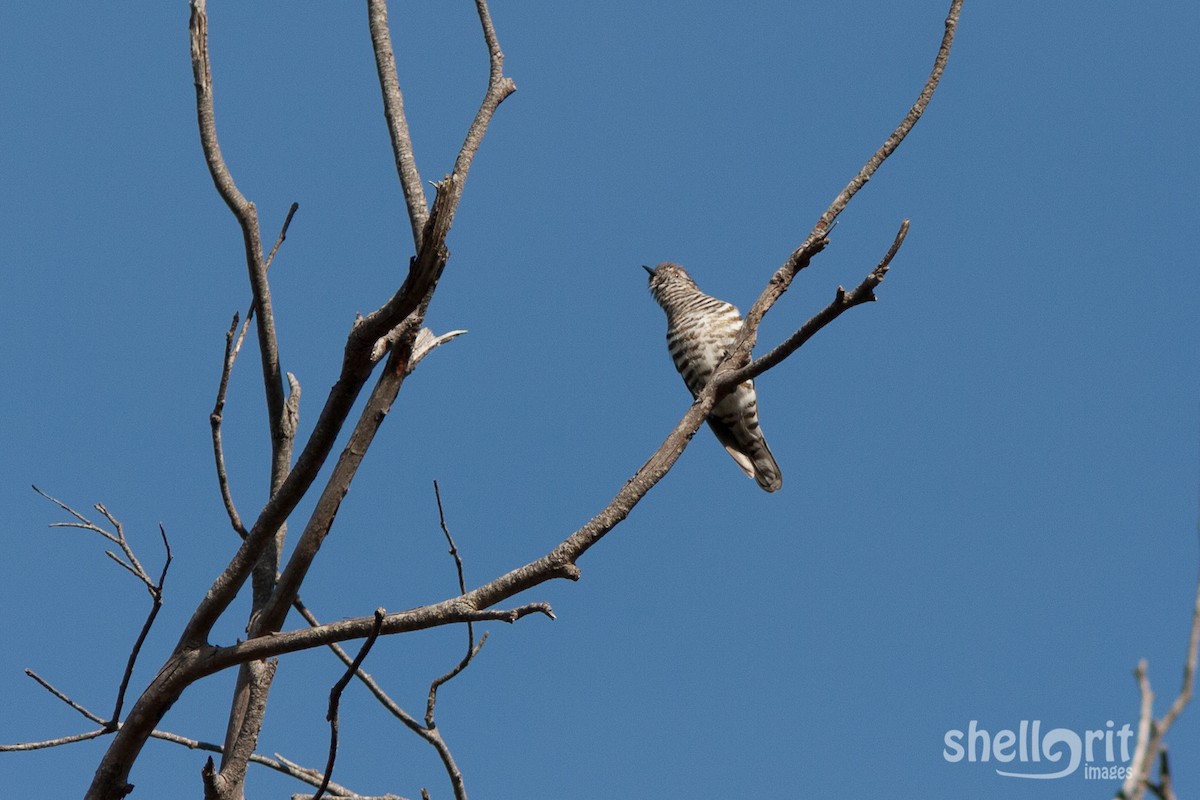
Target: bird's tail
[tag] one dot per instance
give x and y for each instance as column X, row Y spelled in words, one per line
column 749, row 449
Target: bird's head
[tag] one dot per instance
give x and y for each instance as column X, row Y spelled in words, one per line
column 666, row 277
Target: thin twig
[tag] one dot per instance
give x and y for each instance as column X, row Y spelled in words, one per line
column 86, row 524
column 266, row 266
column 42, row 745
column 458, row 564
column 215, row 420
column 335, row 699
column 232, row 347
column 116, row 536
column 116, row 559
column 45, row 684
column 309, row 776
column 902, row 130
column 287, row 221
column 130, row 563
column 364, row 677
column 134, row 566
column 156, row 604
column 124, row 545
column 472, row 648
column 431, row 701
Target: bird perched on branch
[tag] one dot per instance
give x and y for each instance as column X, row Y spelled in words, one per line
column 700, row 332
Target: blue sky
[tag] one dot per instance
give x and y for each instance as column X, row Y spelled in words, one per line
column 990, row 500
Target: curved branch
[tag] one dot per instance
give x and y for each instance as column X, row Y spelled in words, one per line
column 817, row 238
column 243, row 210
column 910, row 120
column 335, row 701
column 432, row 736
column 498, row 89
column 216, row 419
column 393, row 111
column 156, row 594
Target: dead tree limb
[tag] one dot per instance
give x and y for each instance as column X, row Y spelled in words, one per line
column 261, row 545
column 1152, row 732
column 397, row 322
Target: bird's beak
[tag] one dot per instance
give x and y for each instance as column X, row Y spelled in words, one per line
column 648, row 269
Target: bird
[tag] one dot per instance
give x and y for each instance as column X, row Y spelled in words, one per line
column 700, row 332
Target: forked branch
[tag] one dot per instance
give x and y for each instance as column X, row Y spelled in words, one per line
column 192, row 657
column 132, row 565
column 561, row 561
column 1152, row 732
column 335, row 701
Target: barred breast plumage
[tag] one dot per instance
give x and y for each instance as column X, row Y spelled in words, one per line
column 700, row 331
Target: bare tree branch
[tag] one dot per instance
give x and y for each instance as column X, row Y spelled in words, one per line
column 279, row 412
column 45, row 684
column 243, row 210
column 1163, row 790
column 288, row 487
column 364, row 677
column 117, row 536
column 42, row 745
column 156, row 594
column 307, row 546
column 1189, row 670
column 310, row 776
column 135, row 568
column 232, row 348
column 393, row 109
column 1151, row 732
column 499, row 88
column 193, row 657
column 561, row 561
column 431, row 257
column 472, row 649
column 424, row 271
column 335, row 700
column 458, row 563
column 863, row 293
column 216, row 419
column 818, row 238
column 287, row 223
